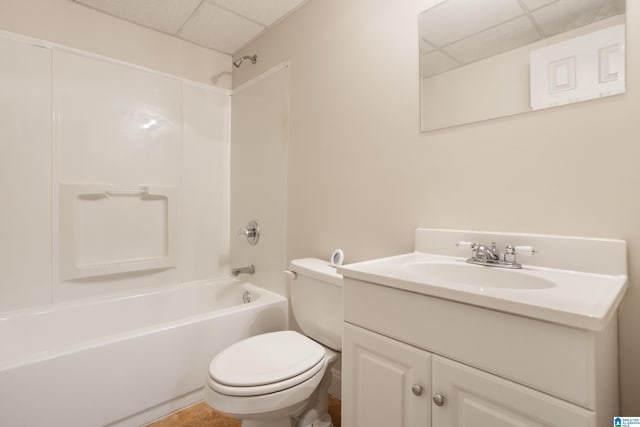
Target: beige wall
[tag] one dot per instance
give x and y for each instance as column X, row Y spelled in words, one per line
column 362, row 177
column 260, row 113
column 71, row 24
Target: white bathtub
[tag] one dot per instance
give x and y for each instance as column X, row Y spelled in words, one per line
column 123, row 361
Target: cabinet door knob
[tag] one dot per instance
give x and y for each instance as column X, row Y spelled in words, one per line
column 438, row 399
column 417, row 390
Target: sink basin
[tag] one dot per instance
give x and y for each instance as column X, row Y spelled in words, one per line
column 478, row 276
column 573, row 281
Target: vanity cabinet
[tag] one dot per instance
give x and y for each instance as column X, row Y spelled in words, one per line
column 389, row 383
column 385, row 382
column 415, row 360
column 476, row 398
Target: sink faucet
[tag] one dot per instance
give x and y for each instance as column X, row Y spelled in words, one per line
column 490, row 256
column 250, row 269
column 483, row 253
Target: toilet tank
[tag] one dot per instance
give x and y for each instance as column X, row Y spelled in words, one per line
column 316, row 300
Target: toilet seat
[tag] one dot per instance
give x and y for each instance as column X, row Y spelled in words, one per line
column 267, row 388
column 287, row 402
column 265, row 364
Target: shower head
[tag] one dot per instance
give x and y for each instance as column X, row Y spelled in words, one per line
column 239, row 61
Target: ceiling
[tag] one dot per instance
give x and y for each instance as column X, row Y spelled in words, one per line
column 458, row 32
column 222, row 25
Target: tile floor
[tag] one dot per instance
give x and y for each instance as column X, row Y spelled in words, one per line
column 201, row 415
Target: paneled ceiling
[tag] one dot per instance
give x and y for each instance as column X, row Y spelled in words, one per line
column 222, row 25
column 458, row 32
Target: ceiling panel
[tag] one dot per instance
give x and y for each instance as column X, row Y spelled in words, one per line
column 219, row 29
column 167, row 16
column 471, row 17
column 565, row 15
column 425, row 46
column 436, row 62
column 534, row 4
column 223, row 25
column 264, row 12
column 510, row 35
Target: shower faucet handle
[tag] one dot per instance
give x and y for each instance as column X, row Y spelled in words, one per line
column 251, row 232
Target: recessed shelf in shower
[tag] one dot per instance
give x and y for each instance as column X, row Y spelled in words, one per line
column 106, row 229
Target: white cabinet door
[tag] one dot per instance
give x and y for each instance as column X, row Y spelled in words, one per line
column 385, row 383
column 473, row 398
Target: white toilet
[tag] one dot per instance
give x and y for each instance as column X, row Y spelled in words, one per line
column 281, row 379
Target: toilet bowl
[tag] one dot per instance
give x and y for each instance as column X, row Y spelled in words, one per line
column 281, row 379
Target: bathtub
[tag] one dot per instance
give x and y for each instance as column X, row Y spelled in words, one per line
column 124, row 361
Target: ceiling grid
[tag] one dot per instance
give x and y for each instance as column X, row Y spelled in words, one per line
column 222, row 25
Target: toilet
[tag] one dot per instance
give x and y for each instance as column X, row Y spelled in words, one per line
column 281, row 379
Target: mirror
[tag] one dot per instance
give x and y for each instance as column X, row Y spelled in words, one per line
column 482, row 59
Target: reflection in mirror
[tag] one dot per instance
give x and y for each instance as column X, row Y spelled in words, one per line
column 482, row 59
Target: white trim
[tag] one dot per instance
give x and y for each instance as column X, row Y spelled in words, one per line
column 55, row 46
column 162, row 410
column 200, row 85
column 269, row 72
column 25, row 39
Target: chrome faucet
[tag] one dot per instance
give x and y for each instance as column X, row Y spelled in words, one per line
column 490, row 256
column 250, row 269
column 486, row 254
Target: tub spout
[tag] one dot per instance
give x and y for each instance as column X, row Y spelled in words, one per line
column 243, row 270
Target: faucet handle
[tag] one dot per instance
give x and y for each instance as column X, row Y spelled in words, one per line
column 494, row 249
column 510, row 252
column 525, row 250
column 466, row 245
column 251, row 232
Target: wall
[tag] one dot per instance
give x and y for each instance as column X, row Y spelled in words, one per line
column 259, row 175
column 71, row 24
column 362, row 177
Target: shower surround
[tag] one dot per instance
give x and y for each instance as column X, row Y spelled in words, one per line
column 117, row 202
column 119, row 176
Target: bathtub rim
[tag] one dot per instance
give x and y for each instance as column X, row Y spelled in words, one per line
column 266, row 298
column 118, row 296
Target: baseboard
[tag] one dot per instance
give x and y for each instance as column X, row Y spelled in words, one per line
column 161, row 410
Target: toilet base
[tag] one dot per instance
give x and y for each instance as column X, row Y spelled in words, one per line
column 279, row 422
column 317, row 414
column 324, row 422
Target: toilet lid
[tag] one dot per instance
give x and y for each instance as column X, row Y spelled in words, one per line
column 265, row 359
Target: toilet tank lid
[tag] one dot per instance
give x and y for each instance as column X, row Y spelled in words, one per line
column 317, row 268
